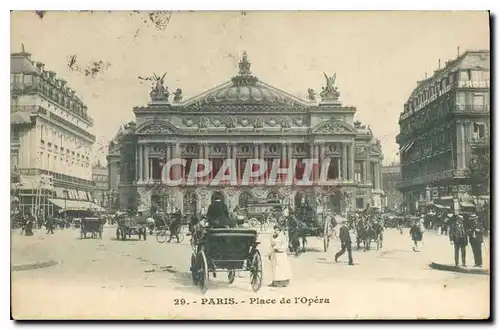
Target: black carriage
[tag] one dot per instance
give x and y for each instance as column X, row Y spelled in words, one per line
column 94, row 226
column 226, row 250
column 131, row 225
column 313, row 224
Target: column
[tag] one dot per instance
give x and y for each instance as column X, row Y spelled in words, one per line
column 377, row 175
column 464, row 153
column 316, row 170
column 344, row 161
column 352, row 155
column 150, row 166
column 366, row 172
column 141, row 160
column 339, row 166
column 177, row 168
column 137, row 157
column 457, row 148
column 145, row 162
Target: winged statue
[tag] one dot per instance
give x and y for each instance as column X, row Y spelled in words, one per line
column 330, row 81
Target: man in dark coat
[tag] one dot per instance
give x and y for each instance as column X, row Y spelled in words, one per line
column 175, row 225
column 458, row 237
column 345, row 242
column 218, row 215
column 476, row 240
column 49, row 225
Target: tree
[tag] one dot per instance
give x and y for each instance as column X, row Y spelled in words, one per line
column 479, row 172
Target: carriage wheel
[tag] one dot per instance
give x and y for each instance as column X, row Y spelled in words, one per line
column 202, row 269
column 231, row 276
column 256, row 271
column 161, row 236
column 326, row 236
column 194, row 270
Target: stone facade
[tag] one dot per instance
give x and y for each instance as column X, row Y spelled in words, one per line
column 446, row 117
column 242, row 119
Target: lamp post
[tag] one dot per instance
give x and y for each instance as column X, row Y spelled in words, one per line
column 65, row 193
column 456, row 204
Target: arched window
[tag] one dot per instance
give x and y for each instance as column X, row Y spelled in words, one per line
column 244, row 198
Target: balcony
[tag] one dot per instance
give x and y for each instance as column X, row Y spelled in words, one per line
column 56, row 176
column 432, row 178
column 472, row 107
column 479, row 141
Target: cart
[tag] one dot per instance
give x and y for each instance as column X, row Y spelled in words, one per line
column 91, row 225
column 131, row 225
column 226, row 250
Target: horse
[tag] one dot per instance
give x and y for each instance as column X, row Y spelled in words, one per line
column 296, row 235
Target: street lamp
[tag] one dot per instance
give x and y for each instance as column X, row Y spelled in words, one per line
column 65, row 193
column 456, row 204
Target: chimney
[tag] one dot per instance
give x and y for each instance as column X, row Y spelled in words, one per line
column 63, row 83
column 458, row 51
column 52, row 74
column 439, row 64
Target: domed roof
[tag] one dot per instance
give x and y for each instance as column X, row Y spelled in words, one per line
column 255, row 92
column 244, row 88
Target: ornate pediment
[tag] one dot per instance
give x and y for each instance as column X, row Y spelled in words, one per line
column 157, row 127
column 333, row 127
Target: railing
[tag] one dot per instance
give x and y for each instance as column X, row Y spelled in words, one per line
column 422, row 180
column 478, row 140
column 55, row 176
column 472, row 107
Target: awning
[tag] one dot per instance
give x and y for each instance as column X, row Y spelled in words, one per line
column 72, row 205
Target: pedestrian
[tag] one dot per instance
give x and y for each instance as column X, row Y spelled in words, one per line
column 49, row 225
column 281, row 269
column 416, row 234
column 458, row 238
column 30, row 221
column 476, row 240
column 150, row 221
column 175, row 226
column 345, row 243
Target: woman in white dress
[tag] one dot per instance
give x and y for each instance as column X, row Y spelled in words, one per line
column 282, row 272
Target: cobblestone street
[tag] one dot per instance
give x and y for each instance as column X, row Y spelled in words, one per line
column 144, row 279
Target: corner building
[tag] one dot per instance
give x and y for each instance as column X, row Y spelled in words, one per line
column 445, row 119
column 242, row 119
column 51, row 140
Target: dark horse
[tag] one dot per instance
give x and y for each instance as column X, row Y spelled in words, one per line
column 365, row 232
column 296, row 234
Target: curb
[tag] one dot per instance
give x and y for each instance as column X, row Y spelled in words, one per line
column 35, row 265
column 450, row 268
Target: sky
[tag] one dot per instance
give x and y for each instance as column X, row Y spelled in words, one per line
column 378, row 57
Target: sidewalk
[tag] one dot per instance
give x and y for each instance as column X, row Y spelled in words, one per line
column 30, row 252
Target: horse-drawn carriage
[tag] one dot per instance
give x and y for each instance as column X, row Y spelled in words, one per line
column 226, row 250
column 94, row 226
column 308, row 223
column 131, row 225
column 263, row 213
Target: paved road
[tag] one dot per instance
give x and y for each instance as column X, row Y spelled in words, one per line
column 142, row 279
